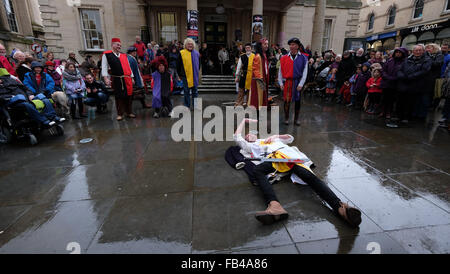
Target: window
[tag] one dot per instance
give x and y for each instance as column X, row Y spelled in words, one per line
column 371, row 21
column 91, row 29
column 447, row 6
column 391, row 18
column 10, row 15
column 418, row 9
column 167, row 27
column 326, row 34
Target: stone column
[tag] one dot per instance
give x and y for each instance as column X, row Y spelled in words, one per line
column 281, row 28
column 318, row 27
column 257, row 10
column 36, row 19
column 192, row 20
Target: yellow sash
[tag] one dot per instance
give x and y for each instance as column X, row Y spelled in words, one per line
column 248, row 79
column 187, row 63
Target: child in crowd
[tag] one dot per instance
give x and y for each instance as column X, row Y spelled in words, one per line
column 352, row 82
column 162, row 86
column 331, row 84
column 360, row 88
column 344, row 92
column 75, row 87
column 374, row 90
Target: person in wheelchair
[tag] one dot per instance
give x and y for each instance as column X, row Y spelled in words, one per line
column 42, row 87
column 97, row 94
column 15, row 95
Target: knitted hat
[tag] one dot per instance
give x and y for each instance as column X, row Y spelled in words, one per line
column 158, row 61
column 49, row 63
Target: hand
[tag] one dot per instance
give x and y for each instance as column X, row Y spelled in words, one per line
column 282, row 87
column 270, row 139
column 94, row 90
column 299, row 88
column 107, row 81
column 31, row 97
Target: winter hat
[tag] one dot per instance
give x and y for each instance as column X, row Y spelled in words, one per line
column 36, row 64
column 376, row 66
column 49, row 63
column 158, row 61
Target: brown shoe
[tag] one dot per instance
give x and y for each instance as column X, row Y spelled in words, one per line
column 274, row 212
column 350, row 214
column 119, row 118
column 131, row 115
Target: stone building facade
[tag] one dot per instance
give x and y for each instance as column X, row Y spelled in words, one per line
column 20, row 24
column 386, row 24
column 87, row 27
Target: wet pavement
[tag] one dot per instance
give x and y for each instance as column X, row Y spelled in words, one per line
column 134, row 190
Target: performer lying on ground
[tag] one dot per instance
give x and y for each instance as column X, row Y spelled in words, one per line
column 276, row 147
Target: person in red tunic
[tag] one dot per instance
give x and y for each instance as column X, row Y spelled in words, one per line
column 122, row 78
column 258, row 95
column 140, row 48
column 291, row 78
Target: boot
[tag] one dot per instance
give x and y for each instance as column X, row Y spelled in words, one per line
column 286, row 113
column 274, row 212
column 73, row 109
column 296, row 121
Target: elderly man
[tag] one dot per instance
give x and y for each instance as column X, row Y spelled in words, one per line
column 4, row 63
column 188, row 66
column 359, row 57
column 412, row 83
column 277, row 148
column 291, row 78
column 122, row 78
column 244, row 73
column 140, row 48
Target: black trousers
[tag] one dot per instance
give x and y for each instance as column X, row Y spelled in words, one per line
column 233, row 156
column 319, row 187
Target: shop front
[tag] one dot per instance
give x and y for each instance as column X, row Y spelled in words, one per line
column 434, row 32
column 382, row 42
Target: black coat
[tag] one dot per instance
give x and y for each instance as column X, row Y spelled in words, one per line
column 413, row 75
column 10, row 88
column 346, row 69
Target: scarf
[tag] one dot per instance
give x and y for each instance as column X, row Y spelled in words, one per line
column 71, row 75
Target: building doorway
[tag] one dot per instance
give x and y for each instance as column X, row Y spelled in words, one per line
column 215, row 38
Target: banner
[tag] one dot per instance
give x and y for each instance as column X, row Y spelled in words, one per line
column 257, row 25
column 192, row 24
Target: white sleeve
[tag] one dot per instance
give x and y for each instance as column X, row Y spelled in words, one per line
column 238, row 68
column 305, row 74
column 242, row 143
column 105, row 66
column 287, row 141
column 280, row 77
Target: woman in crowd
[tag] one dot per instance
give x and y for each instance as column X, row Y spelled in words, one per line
column 23, row 68
column 74, row 87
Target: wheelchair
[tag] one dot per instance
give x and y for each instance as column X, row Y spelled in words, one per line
column 15, row 124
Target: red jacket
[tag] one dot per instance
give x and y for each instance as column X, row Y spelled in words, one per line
column 376, row 88
column 140, row 48
column 4, row 63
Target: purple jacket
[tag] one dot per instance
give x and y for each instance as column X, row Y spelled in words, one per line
column 391, row 68
column 360, row 84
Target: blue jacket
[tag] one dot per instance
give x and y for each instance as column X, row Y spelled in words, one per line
column 47, row 86
column 136, row 73
column 444, row 66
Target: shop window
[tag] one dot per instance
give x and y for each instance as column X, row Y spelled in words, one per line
column 371, row 22
column 389, row 44
column 444, row 36
column 409, row 41
column 391, row 17
column 11, row 15
column 426, row 37
column 378, row 45
column 167, row 27
column 418, row 9
column 327, row 34
column 91, row 29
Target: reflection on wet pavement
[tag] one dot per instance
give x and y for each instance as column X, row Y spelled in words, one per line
column 134, row 190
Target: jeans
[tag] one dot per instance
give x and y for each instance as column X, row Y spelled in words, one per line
column 187, row 91
column 100, row 99
column 446, row 110
column 317, row 185
column 34, row 114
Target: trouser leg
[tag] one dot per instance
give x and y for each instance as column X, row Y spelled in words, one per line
column 240, row 98
column 319, row 187
column 33, row 112
column 120, row 106
column 129, row 104
column 287, row 106
column 49, row 111
column 297, row 110
column 261, row 172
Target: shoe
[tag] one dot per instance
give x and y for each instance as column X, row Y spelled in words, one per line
column 155, row 115
column 404, row 121
column 240, row 165
column 49, row 124
column 119, row 118
column 131, row 115
column 297, row 123
column 286, row 122
column 391, row 125
column 274, row 212
column 59, row 120
column 171, row 114
column 350, row 214
column 349, row 105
